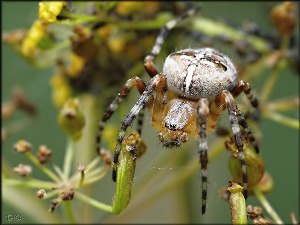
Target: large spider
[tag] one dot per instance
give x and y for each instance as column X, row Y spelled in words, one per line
column 186, row 98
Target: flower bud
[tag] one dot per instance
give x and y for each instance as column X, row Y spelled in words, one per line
column 255, row 168
column 132, row 148
column 71, row 119
column 284, row 18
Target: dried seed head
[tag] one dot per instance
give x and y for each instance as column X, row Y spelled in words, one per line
column 254, row 211
column 41, row 193
column 23, row 170
column 22, row 146
column 261, row 221
column 44, row 154
column 53, row 205
column 23, row 103
column 67, row 195
column 284, row 18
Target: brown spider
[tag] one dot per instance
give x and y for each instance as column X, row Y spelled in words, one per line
column 187, row 98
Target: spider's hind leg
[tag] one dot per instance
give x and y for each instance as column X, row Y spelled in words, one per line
column 203, row 113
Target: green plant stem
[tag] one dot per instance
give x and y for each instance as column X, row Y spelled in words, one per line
column 48, row 172
column 269, row 84
column 69, row 212
column 96, row 177
column 93, row 202
column 212, row 28
column 174, row 181
column 68, row 158
column 32, row 183
column 293, row 123
column 263, row 200
column 52, row 193
column 81, row 17
column 284, row 104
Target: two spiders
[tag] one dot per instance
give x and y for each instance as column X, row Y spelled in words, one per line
column 186, row 99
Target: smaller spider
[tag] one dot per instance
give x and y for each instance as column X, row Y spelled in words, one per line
column 186, row 99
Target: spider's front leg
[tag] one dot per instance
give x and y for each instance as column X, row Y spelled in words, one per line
column 203, row 113
column 148, row 62
column 138, row 106
column 233, row 112
column 133, row 82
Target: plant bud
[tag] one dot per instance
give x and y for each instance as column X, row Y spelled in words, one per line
column 71, row 119
column 255, row 168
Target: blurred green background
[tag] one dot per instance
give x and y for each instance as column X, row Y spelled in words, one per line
column 279, row 149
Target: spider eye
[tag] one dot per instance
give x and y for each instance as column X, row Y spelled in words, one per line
column 172, row 127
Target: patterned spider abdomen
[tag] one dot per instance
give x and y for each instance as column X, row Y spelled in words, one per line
column 199, row 73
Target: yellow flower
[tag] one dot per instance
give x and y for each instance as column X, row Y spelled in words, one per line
column 33, row 36
column 48, row 11
column 76, row 66
column 61, row 90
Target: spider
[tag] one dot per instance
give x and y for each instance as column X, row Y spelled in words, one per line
column 186, row 99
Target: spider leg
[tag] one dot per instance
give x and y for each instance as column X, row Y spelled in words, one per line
column 140, row 121
column 133, row 82
column 173, row 143
column 243, row 123
column 238, row 138
column 138, row 106
column 246, row 88
column 148, row 62
column 203, row 113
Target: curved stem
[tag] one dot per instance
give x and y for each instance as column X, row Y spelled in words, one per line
column 293, row 123
column 35, row 161
column 32, row 183
column 68, row 158
column 67, row 205
column 263, row 200
column 93, row 202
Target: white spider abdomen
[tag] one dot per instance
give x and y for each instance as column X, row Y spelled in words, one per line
column 199, row 73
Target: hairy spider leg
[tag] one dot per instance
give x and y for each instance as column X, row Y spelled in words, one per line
column 246, row 88
column 243, row 123
column 173, row 143
column 140, row 121
column 203, row 113
column 234, row 122
column 133, row 82
column 148, row 62
column 142, row 101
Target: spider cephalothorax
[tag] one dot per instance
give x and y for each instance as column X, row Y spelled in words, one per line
column 186, row 99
